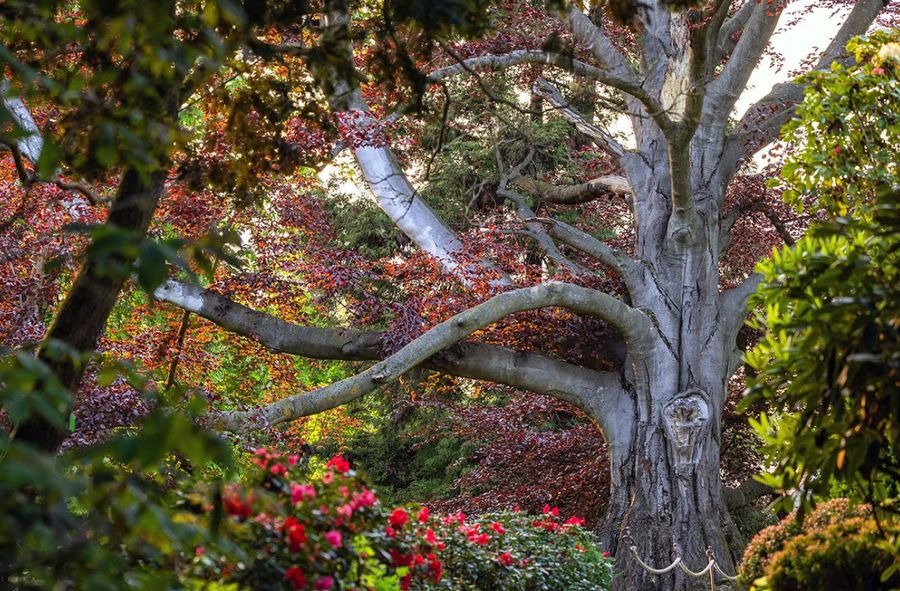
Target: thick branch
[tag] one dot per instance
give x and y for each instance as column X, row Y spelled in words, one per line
column 520, row 57
column 622, row 74
column 574, row 194
column 730, row 32
column 551, row 94
column 30, row 144
column 733, row 302
column 528, row 371
column 632, row 324
column 387, row 180
column 724, row 91
column 745, row 493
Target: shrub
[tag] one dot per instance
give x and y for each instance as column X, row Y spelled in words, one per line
column 847, row 555
column 333, row 532
column 771, row 540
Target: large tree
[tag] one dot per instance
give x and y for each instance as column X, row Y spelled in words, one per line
column 675, row 346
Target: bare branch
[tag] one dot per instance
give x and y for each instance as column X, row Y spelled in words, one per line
column 724, row 91
column 729, row 33
column 745, row 493
column 520, row 57
column 622, row 75
column 574, row 194
column 528, row 371
column 635, row 327
column 733, row 302
column 551, row 94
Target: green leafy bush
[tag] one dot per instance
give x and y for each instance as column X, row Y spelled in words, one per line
column 847, row 554
column 771, row 540
column 104, row 517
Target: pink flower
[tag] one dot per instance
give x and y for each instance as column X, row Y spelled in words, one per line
column 300, row 492
column 345, row 511
column 364, row 498
column 292, row 460
column 199, row 551
column 333, row 537
column 878, row 71
column 324, row 583
column 328, row 477
column 278, row 469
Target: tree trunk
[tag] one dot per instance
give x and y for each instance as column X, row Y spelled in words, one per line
column 82, row 317
column 666, row 495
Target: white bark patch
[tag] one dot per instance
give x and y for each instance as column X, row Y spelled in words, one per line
column 183, row 296
column 686, row 419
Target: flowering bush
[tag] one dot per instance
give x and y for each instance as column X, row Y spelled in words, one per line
column 771, row 540
column 332, row 532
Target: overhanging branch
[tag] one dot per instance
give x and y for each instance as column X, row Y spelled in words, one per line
column 632, row 324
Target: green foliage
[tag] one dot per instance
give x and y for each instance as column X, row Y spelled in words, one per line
column 828, row 364
column 848, row 554
column 846, row 137
column 406, row 460
column 101, row 517
column 770, row 541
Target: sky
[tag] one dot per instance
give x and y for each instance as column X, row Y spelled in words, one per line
column 815, row 31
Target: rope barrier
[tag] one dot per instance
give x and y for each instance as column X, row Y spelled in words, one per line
column 711, row 568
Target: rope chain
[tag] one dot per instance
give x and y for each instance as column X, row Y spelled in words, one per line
column 712, row 566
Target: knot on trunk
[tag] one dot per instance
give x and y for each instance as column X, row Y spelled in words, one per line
column 686, row 420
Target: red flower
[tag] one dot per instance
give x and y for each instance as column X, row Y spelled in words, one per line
column 435, row 568
column 398, row 518
column 554, row 511
column 423, row 515
column 482, row 539
column 390, row 532
column 497, row 527
column 296, row 533
column 575, row 521
column 430, row 537
column 399, row 559
column 339, row 464
column 505, row 559
column 278, row 470
column 295, row 576
column 405, row 582
column 606, row 555
column 235, row 506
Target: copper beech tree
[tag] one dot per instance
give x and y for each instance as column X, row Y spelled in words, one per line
column 670, row 319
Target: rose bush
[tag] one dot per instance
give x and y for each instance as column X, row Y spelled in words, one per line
column 332, row 532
